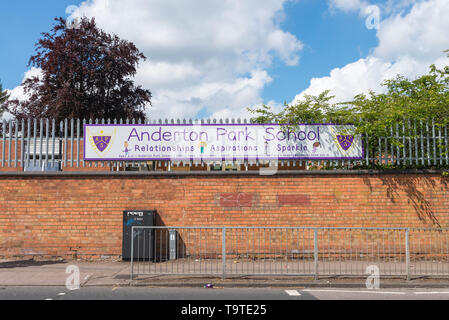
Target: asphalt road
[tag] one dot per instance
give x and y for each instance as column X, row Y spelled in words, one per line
column 143, row 293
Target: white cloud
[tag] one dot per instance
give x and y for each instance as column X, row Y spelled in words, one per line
column 389, row 7
column 202, row 54
column 346, row 5
column 408, row 44
column 421, row 34
column 18, row 92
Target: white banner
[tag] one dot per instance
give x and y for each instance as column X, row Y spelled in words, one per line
column 221, row 142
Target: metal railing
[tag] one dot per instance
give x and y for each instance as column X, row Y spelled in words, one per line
column 39, row 142
column 288, row 251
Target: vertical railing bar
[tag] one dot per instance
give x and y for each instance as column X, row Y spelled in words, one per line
column 380, row 151
column 254, row 249
column 9, row 142
column 161, row 252
column 271, row 249
column 404, row 147
column 366, row 150
column 421, row 128
column 78, row 142
column 415, row 133
column 446, row 144
column 16, row 137
column 138, row 248
column 84, row 141
column 391, row 156
column 428, row 143
column 259, row 250
column 65, row 141
column 103, row 122
column 41, row 137
column 47, row 140
column 132, row 253
column 434, row 143
column 350, row 249
column 264, row 252
column 22, row 144
column 167, row 249
column 440, row 145
column 34, row 140
column 72, row 134
column 419, row 250
column 329, row 257
column 246, row 252
column 143, row 249
column 383, row 250
column 398, row 149
column 409, row 142
column 3, row 143
column 315, row 252
column 53, row 142
column 28, row 142
column 199, row 251
column 223, row 252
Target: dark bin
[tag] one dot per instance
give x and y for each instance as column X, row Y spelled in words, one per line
column 143, row 238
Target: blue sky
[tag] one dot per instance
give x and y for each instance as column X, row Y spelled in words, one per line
column 21, row 24
column 326, row 40
column 331, row 40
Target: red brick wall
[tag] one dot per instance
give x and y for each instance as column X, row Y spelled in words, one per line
column 61, row 215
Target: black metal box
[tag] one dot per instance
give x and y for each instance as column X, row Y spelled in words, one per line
column 143, row 245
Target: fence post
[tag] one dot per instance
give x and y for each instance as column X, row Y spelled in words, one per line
column 407, row 253
column 223, row 251
column 132, row 253
column 315, row 251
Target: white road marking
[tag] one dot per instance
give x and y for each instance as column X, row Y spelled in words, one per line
column 61, row 294
column 353, row 291
column 432, row 292
column 292, row 292
column 49, row 299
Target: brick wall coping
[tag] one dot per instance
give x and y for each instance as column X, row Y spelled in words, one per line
column 212, row 173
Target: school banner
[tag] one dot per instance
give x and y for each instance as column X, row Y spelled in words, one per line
column 141, row 142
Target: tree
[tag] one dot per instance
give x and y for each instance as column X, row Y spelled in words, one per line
column 86, row 73
column 425, row 98
column 3, row 98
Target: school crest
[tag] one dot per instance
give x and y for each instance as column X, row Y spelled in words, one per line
column 101, row 141
column 345, row 141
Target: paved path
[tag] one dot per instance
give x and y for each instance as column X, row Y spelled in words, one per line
column 95, row 274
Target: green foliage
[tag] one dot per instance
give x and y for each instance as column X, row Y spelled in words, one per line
column 424, row 98
column 407, row 108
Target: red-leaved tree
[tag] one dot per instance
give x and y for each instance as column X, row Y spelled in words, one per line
column 86, row 73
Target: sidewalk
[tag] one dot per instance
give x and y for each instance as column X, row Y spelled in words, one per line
column 53, row 273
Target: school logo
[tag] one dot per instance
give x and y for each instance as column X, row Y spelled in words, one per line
column 344, row 137
column 101, row 141
column 345, row 141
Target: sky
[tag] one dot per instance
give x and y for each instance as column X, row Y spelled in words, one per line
column 216, row 58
